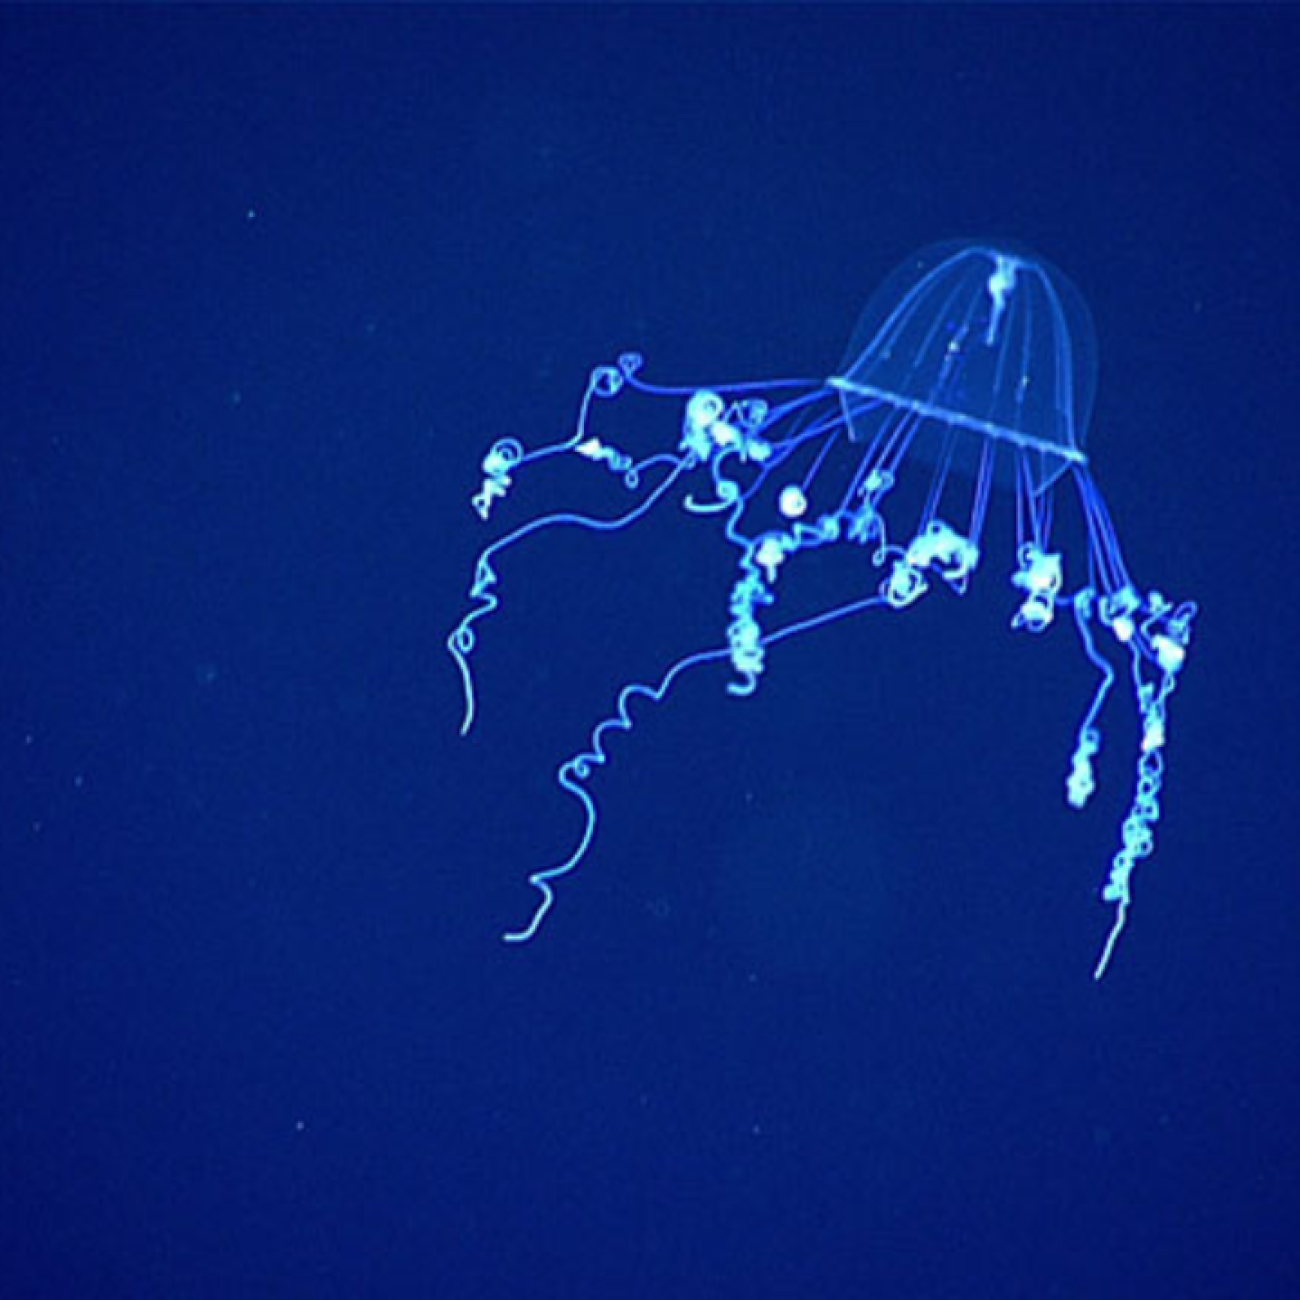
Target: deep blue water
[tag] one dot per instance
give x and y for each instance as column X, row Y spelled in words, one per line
column 817, row 1017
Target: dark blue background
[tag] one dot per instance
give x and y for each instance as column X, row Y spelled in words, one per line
column 816, row 1019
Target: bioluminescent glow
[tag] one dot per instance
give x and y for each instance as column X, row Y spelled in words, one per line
column 972, row 372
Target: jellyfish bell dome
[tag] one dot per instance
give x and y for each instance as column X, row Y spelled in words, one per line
column 987, row 352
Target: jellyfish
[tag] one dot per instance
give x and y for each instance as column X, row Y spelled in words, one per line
column 971, row 373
